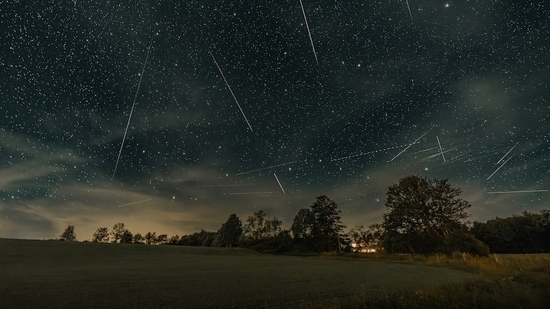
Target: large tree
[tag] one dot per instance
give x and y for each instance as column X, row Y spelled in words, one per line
column 68, row 234
column 327, row 229
column 319, row 228
column 301, row 226
column 229, row 233
column 101, row 235
column 420, row 213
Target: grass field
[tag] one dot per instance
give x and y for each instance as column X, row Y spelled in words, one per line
column 503, row 281
column 51, row 274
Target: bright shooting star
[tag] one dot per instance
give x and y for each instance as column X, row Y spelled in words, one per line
column 133, row 106
column 441, row 149
column 277, row 178
column 513, row 192
column 500, row 166
column 309, row 32
column 504, row 156
column 134, row 203
column 230, row 90
column 410, row 13
column 410, row 145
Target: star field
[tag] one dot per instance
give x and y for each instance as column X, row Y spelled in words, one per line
column 449, row 89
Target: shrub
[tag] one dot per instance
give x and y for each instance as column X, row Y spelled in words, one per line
column 463, row 242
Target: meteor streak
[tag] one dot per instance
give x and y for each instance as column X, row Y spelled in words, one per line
column 220, row 186
column 253, row 193
column 513, row 192
column 500, row 166
column 365, row 153
column 309, row 32
column 277, row 178
column 424, row 150
column 504, row 156
column 458, row 156
column 128, row 204
column 230, row 90
column 410, row 145
column 451, row 160
column 436, row 155
column 265, row 168
column 409, row 7
column 441, row 149
column 133, row 106
column 488, row 154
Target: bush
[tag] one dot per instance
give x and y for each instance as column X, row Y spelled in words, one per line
column 463, row 242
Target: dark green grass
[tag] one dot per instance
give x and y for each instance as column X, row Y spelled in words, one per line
column 51, row 274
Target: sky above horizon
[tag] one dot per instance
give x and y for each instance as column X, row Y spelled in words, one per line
column 171, row 116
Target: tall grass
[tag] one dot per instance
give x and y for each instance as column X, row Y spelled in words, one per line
column 505, row 281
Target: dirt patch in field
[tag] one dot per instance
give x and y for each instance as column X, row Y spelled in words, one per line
column 56, row 274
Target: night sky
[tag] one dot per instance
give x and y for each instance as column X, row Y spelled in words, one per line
column 453, row 89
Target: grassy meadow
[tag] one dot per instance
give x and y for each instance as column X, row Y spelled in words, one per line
column 52, row 274
column 502, row 281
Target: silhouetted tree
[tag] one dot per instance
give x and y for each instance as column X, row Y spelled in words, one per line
column 327, row 229
column 319, row 228
column 185, row 240
column 206, row 238
column 121, row 234
column 259, row 228
column 302, row 225
column 420, row 213
column 526, row 233
column 174, row 240
column 68, row 234
column 127, row 237
column 150, row 238
column 202, row 238
column 229, row 233
column 138, row 239
column 162, row 239
column 463, row 242
column 254, row 226
column 283, row 242
column 101, row 235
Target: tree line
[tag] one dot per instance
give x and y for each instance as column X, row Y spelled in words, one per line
column 120, row 234
column 525, row 233
column 422, row 216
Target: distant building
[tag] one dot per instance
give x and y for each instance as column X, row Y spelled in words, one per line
column 362, row 248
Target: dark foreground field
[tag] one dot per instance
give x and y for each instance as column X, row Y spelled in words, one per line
column 50, row 274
